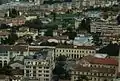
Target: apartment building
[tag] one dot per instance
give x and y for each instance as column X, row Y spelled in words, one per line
column 95, row 69
column 39, row 66
column 74, row 52
column 105, row 27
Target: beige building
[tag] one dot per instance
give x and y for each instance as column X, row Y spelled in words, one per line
column 74, row 52
column 95, row 69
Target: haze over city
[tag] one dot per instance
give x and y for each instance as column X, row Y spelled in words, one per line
column 59, row 40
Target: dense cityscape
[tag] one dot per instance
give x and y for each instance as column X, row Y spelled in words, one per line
column 59, row 40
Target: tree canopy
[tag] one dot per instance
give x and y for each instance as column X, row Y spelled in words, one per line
column 110, row 49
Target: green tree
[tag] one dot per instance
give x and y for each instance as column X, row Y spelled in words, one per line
column 61, row 58
column 54, row 15
column 49, row 32
column 13, row 13
column 6, row 70
column 85, row 24
column 12, row 38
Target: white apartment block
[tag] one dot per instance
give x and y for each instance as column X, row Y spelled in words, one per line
column 104, row 27
column 39, row 66
column 74, row 52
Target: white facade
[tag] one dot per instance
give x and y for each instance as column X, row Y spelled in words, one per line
column 4, row 58
column 105, row 27
column 39, row 68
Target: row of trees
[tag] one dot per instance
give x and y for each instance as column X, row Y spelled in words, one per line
column 111, row 49
column 59, row 70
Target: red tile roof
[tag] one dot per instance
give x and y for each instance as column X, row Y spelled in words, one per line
column 105, row 61
column 77, row 47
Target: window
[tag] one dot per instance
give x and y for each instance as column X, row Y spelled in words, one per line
column 28, row 62
column 34, row 72
column 82, row 51
column 40, row 71
column 93, row 52
column 77, row 56
column 66, row 50
column 40, row 67
column 47, row 75
column 27, row 75
column 39, row 75
column 34, row 67
column 5, row 63
column 35, row 63
column 21, row 52
column 27, row 66
column 46, row 67
column 27, row 71
column 75, row 51
column 89, row 51
column 17, row 51
column 47, row 71
column 47, row 79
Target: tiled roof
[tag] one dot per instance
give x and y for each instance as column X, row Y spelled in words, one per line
column 105, row 61
column 13, row 47
column 18, row 48
column 108, row 61
column 76, row 47
column 94, row 69
column 4, row 33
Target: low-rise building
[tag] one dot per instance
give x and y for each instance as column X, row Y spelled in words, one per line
column 74, row 52
column 95, row 69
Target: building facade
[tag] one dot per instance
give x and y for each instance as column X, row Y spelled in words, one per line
column 105, row 27
column 39, row 66
column 95, row 69
column 74, row 52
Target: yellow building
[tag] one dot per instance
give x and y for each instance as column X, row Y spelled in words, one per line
column 74, row 52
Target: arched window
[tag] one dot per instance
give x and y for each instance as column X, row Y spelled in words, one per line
column 5, row 63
